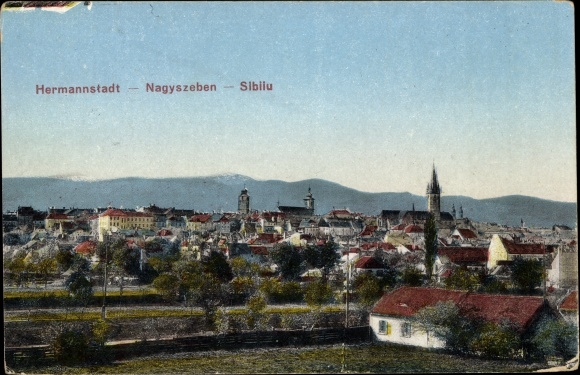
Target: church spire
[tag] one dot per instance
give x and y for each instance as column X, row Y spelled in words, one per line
column 433, row 187
column 434, row 196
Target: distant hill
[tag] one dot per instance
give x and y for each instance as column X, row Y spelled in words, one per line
column 221, row 193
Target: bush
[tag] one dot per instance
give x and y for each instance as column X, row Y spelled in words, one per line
column 554, row 338
column 71, row 347
column 496, row 341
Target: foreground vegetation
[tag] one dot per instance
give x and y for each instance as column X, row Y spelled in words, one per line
column 367, row 358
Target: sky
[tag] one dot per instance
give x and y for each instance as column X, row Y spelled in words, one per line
column 369, row 95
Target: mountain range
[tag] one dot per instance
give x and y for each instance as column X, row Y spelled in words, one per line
column 220, row 193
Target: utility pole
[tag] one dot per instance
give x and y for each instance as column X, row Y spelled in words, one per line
column 346, row 312
column 104, row 308
column 347, row 289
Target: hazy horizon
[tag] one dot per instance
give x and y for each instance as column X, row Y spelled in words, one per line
column 241, row 185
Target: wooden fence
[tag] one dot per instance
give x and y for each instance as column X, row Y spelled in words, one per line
column 43, row 355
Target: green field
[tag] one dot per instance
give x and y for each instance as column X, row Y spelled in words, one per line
column 327, row 359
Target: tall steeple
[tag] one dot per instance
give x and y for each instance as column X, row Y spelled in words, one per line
column 434, row 196
column 244, row 201
column 309, row 200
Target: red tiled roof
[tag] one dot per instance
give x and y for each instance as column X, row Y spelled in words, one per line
column 268, row 237
column 165, row 232
column 85, row 248
column 113, row 212
column 466, row 233
column 368, row 262
column 352, row 250
column 55, row 216
column 272, row 215
column 340, row 213
column 464, row 254
column 413, row 229
column 407, row 301
column 368, row 230
column 202, row 218
column 399, row 227
column 117, row 212
column 259, row 250
column 570, row 302
column 523, row 248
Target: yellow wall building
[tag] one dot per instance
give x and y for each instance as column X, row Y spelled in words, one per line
column 114, row 219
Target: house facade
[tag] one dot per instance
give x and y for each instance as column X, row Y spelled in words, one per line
column 116, row 219
column 392, row 319
column 502, row 249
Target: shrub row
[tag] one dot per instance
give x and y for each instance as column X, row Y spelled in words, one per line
column 61, row 300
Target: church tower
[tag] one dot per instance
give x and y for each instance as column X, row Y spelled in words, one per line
column 244, row 202
column 309, row 201
column 434, row 196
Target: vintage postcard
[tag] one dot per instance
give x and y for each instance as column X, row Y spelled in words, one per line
column 289, row 187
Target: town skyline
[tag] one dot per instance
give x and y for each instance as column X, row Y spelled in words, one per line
column 360, row 96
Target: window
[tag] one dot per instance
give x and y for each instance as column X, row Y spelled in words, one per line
column 384, row 327
column 406, row 329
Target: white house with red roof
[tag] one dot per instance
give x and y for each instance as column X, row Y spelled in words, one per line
column 200, row 223
column 462, row 256
column 464, row 235
column 368, row 264
column 392, row 319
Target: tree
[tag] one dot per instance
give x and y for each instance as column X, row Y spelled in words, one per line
column 167, row 285
column 202, row 288
column 554, row 338
column 209, row 294
column 389, row 277
column 46, row 267
column 16, row 266
column 317, row 293
column 11, row 239
column 80, row 288
column 64, row 259
column 444, row 322
column 412, row 276
column 462, row 279
column 437, row 319
column 217, row 265
column 527, row 274
column 491, row 284
column 288, row 260
column 281, row 292
column 78, row 283
column 368, row 289
column 125, row 261
column 241, row 267
column 430, row 232
column 256, row 306
column 323, row 257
